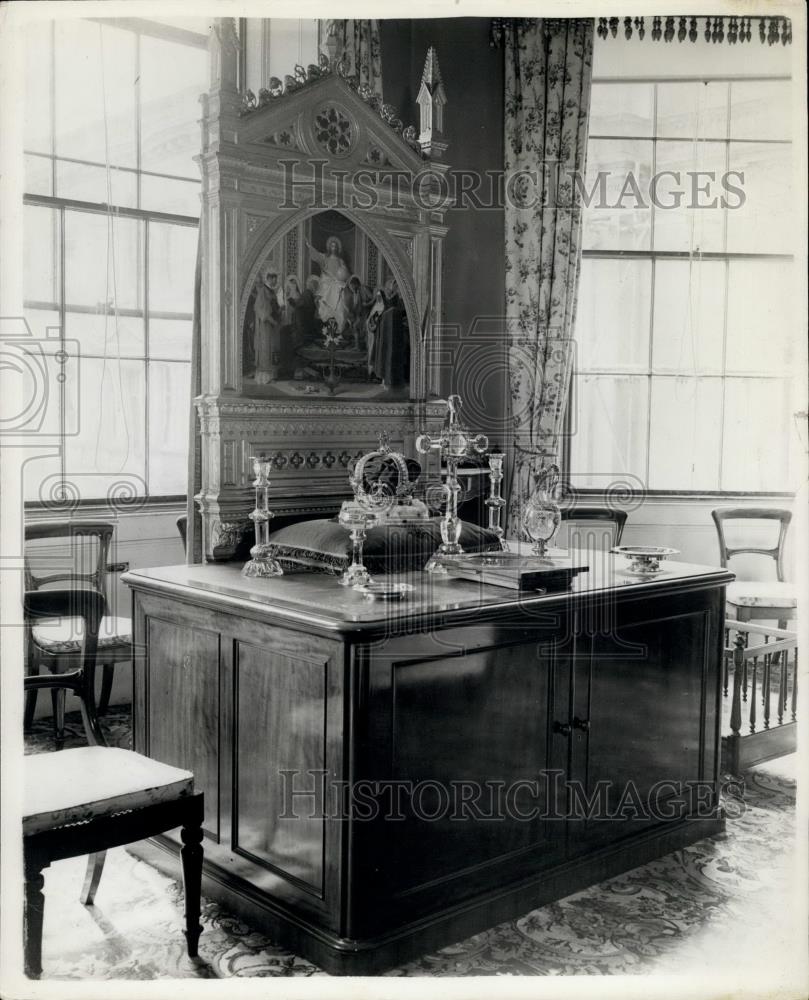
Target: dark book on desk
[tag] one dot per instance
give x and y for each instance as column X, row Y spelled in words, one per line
column 517, row 572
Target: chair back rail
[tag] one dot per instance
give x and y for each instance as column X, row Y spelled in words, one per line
column 79, row 533
column 722, row 514
column 90, row 606
column 602, row 515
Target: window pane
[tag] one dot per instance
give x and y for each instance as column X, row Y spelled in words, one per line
column 38, row 175
column 767, row 221
column 761, row 109
column 102, row 335
column 612, row 321
column 762, row 335
column 95, row 92
column 109, row 409
column 689, row 215
column 622, row 109
column 617, row 191
column 692, row 110
column 41, row 477
column 37, row 92
column 170, row 338
column 172, row 260
column 161, row 194
column 83, row 182
column 686, row 421
column 610, row 436
column 291, row 41
column 41, row 255
column 689, row 316
column 172, row 77
column 169, row 399
column 756, row 435
column 103, row 261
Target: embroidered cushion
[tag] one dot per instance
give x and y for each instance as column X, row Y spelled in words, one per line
column 755, row 594
column 325, row 546
column 64, row 635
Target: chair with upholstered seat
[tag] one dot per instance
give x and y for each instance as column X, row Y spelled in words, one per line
column 84, row 565
column 87, row 800
column 599, row 526
column 747, row 600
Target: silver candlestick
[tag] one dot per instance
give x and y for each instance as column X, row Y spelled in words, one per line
column 261, row 563
column 495, row 501
column 453, row 444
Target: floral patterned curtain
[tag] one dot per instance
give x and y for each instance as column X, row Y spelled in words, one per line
column 361, row 48
column 547, row 99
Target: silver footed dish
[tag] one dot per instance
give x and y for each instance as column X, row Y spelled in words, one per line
column 644, row 559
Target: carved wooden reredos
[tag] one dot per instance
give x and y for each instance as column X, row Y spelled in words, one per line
column 275, row 170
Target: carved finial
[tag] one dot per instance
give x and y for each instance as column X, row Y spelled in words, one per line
column 224, row 52
column 431, row 100
column 334, row 43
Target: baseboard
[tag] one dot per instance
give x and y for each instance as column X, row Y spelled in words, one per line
column 757, row 748
column 343, row 956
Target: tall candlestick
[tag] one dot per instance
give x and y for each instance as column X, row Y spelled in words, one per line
column 495, row 501
column 453, row 444
column 261, row 563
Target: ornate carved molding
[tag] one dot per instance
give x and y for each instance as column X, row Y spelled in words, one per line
column 713, row 30
column 243, row 406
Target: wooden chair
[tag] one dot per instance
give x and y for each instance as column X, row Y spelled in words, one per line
column 604, row 517
column 758, row 600
column 89, row 799
column 57, row 649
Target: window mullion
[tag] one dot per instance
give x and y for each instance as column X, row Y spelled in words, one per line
column 61, row 216
column 146, row 351
column 650, row 380
column 138, row 119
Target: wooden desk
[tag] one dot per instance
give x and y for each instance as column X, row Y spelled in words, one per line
column 472, row 725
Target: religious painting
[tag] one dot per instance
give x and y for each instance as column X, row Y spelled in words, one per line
column 326, row 318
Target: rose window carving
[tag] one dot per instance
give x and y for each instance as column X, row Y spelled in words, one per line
column 333, row 131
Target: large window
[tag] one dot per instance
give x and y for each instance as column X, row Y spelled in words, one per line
column 685, row 326
column 111, row 216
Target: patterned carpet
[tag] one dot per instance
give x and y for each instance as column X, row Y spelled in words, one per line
column 701, row 908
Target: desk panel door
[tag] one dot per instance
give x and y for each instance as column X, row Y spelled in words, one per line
column 639, row 739
column 466, row 742
column 183, row 706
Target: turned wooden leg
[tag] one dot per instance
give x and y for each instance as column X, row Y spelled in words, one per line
column 95, row 866
column 58, row 703
column 734, row 740
column 30, row 703
column 191, row 853
column 106, row 688
column 33, row 914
